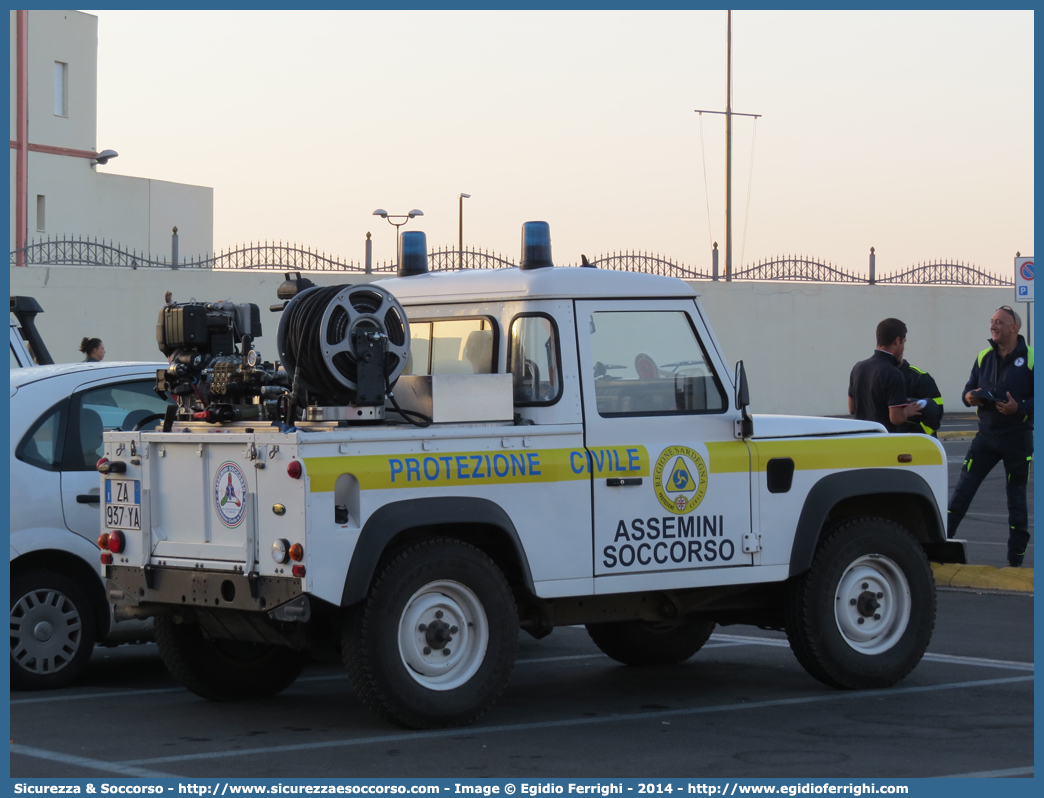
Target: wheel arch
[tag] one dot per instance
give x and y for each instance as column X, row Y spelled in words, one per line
column 900, row 496
column 480, row 522
column 73, row 567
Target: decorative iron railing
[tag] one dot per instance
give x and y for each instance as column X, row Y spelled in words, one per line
column 279, row 256
column 797, row 267
column 647, row 264
column 941, row 273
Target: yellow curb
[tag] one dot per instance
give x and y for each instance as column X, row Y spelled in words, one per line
column 983, row 576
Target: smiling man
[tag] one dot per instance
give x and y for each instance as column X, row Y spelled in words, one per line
column 1001, row 390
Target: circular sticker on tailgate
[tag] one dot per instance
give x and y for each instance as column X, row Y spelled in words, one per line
column 230, row 494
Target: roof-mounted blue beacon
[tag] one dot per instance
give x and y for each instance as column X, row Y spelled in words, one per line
column 536, row 245
column 413, row 253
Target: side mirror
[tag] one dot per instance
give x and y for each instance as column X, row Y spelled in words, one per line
column 745, row 424
column 742, row 391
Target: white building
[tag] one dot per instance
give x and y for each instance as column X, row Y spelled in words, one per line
column 57, row 188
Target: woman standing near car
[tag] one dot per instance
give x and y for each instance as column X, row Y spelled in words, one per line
column 94, row 349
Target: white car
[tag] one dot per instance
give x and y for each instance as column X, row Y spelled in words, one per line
column 58, row 604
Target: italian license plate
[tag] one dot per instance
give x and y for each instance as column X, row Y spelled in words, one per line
column 123, row 504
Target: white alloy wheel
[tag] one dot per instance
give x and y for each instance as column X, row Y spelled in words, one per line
column 46, row 631
column 872, row 604
column 443, row 635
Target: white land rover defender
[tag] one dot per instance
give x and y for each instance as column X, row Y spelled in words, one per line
column 443, row 459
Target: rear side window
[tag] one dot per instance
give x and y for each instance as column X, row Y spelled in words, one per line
column 535, row 360
column 42, row 444
column 452, row 346
column 651, row 363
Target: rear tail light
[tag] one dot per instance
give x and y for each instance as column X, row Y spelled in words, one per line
column 116, row 541
column 107, row 466
column 297, row 552
column 103, row 541
column 299, row 570
column 294, row 469
column 106, row 558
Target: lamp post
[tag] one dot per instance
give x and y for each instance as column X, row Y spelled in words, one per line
column 390, row 217
column 460, row 229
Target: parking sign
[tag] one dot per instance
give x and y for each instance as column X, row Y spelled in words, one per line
column 1024, row 279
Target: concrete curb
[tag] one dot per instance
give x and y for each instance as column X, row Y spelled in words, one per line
column 983, row 576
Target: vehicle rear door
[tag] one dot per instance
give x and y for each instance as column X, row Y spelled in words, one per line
column 670, row 479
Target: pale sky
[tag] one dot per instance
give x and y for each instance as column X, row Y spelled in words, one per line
column 911, row 132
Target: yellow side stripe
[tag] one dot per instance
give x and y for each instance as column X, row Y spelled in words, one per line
column 842, row 453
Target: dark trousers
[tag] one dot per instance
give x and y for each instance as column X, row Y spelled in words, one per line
column 1015, row 449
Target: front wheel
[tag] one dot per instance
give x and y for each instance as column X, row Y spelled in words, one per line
column 651, row 643
column 225, row 670
column 434, row 643
column 863, row 614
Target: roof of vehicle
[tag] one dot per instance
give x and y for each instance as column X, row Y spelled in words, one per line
column 563, row 282
column 25, row 376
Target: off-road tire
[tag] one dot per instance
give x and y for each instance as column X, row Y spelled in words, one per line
column 649, row 643
column 857, row 558
column 225, row 670
column 395, row 666
column 52, row 631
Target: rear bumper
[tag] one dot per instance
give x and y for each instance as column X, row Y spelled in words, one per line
column 158, row 590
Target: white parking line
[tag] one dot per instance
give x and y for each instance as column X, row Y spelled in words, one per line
column 573, row 722
column 119, row 768
column 981, row 662
column 717, row 641
column 992, row 774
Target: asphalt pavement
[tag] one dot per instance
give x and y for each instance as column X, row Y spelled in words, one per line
column 742, row 707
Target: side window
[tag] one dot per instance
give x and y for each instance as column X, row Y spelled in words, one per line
column 120, row 406
column 42, row 444
column 534, row 360
column 452, row 346
column 651, row 362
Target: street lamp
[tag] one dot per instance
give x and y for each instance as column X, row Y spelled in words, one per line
column 405, row 218
column 460, row 229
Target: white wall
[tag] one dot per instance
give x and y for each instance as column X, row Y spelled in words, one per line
column 798, row 341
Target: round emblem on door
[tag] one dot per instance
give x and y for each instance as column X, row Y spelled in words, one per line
column 230, row 494
column 680, row 479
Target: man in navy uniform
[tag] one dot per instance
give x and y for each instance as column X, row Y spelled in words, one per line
column 1001, row 390
column 876, row 390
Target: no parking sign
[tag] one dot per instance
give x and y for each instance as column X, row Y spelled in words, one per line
column 1024, row 279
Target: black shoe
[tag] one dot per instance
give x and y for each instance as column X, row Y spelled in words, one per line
column 1014, row 564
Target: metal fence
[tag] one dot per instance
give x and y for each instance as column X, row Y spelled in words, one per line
column 277, row 256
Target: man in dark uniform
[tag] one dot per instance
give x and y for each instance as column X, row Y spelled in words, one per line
column 876, row 390
column 921, row 385
column 1001, row 389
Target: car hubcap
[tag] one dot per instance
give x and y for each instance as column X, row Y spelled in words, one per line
column 443, row 634
column 46, row 631
column 872, row 604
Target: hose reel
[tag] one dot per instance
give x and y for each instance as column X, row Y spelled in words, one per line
column 346, row 343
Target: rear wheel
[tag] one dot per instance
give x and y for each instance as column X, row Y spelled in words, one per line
column 651, row 642
column 862, row 616
column 52, row 631
column 225, row 670
column 434, row 643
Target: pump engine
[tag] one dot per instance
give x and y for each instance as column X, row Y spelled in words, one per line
column 342, row 349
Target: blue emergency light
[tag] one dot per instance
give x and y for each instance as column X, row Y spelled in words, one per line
column 536, row 245
column 413, row 253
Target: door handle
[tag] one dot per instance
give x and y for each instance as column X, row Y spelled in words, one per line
column 88, row 498
column 621, row 482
